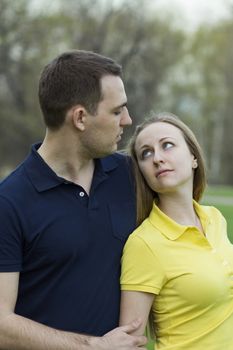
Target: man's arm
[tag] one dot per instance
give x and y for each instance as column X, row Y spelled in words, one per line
column 19, row 333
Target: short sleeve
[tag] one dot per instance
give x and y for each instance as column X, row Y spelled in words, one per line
column 10, row 238
column 141, row 269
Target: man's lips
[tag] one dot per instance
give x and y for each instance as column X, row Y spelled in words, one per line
column 162, row 172
column 119, row 136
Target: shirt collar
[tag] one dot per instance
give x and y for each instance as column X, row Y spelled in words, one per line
column 44, row 178
column 171, row 229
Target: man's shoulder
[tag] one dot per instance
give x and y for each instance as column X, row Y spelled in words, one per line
column 14, row 183
column 119, row 157
column 118, row 161
column 12, row 177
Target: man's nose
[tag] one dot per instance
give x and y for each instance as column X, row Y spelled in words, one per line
column 126, row 119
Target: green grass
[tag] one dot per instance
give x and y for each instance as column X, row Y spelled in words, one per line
column 225, row 191
column 226, row 210
column 213, row 193
column 150, row 345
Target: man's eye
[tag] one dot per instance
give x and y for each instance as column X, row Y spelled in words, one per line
column 119, row 111
column 167, row 145
column 146, row 153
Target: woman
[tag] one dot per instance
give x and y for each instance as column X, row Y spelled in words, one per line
column 177, row 265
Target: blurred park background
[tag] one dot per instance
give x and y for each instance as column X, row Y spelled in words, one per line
column 169, row 65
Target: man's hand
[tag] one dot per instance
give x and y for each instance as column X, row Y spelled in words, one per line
column 120, row 338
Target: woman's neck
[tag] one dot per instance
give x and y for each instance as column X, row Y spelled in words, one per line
column 179, row 207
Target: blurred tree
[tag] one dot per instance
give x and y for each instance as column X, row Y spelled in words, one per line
column 200, row 90
column 21, row 52
column 145, row 46
column 30, row 36
column 214, row 55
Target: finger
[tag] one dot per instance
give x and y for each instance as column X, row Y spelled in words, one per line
column 140, row 340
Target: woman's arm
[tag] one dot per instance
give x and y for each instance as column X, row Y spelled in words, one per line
column 135, row 305
column 19, row 333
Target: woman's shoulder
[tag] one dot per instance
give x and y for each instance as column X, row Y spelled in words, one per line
column 145, row 234
column 210, row 210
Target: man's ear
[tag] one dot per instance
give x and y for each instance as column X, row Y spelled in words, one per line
column 79, row 116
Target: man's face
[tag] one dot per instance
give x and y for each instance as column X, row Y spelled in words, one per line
column 104, row 129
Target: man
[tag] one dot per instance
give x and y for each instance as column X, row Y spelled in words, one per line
column 65, row 214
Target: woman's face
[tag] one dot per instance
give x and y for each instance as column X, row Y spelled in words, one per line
column 164, row 158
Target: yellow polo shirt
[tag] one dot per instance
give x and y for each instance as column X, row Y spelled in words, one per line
column 190, row 275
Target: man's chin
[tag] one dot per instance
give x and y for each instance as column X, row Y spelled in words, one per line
column 107, row 152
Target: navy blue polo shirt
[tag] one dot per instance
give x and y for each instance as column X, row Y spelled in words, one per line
column 67, row 245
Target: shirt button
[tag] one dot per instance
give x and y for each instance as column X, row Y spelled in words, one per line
column 82, row 194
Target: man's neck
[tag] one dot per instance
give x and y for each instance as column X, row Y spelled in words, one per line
column 67, row 161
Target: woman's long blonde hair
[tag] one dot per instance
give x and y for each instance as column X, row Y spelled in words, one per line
column 144, row 194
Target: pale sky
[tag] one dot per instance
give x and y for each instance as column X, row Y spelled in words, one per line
column 188, row 13
column 194, row 12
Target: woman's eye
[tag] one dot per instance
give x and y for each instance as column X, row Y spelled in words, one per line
column 167, row 145
column 146, row 153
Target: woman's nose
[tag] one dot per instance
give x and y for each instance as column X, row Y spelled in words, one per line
column 158, row 157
